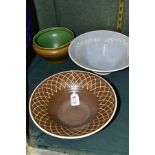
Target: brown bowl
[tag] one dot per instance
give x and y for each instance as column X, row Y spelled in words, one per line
column 52, row 43
column 54, row 111
column 52, row 55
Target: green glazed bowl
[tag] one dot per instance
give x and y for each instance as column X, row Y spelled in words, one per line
column 52, row 43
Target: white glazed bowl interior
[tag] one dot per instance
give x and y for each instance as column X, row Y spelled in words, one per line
column 100, row 51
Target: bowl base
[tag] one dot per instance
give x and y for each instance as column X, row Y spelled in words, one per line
column 102, row 73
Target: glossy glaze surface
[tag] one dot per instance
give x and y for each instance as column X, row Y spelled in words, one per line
column 100, row 51
column 54, row 38
column 52, row 111
column 52, row 43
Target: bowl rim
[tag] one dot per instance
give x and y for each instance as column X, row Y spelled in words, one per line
column 51, row 29
column 74, row 137
column 93, row 69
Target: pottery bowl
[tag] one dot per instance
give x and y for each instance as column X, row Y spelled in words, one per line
column 72, row 104
column 100, row 51
column 52, row 43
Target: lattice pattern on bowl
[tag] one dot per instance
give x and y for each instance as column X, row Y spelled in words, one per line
column 42, row 95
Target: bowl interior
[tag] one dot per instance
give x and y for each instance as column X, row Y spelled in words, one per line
column 54, row 38
column 61, row 111
column 100, row 50
column 52, row 111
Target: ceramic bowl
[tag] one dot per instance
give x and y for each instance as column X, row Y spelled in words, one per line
column 100, row 51
column 52, row 43
column 72, row 104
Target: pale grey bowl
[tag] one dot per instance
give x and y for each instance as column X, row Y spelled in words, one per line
column 100, row 51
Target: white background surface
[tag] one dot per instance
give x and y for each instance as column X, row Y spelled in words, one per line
column 142, row 77
column 13, row 77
